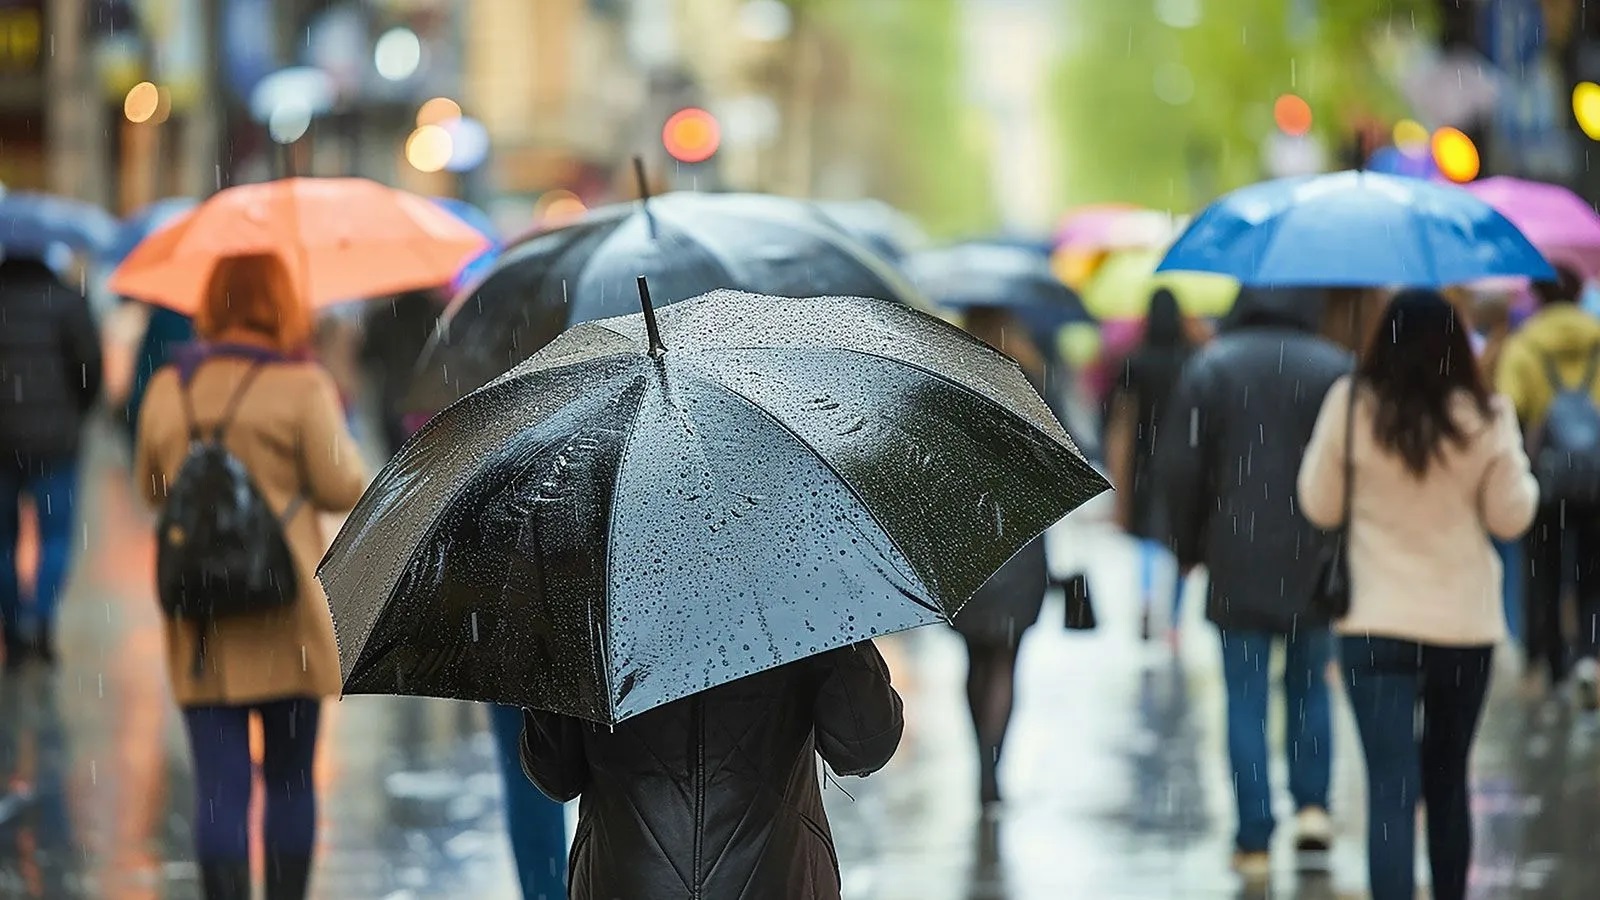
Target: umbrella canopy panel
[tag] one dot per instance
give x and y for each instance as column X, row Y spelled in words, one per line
column 602, row 531
column 31, row 223
column 685, row 243
column 990, row 275
column 1354, row 229
column 342, row 239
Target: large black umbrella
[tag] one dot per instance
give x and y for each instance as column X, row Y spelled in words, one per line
column 685, row 243
column 965, row 276
column 613, row 525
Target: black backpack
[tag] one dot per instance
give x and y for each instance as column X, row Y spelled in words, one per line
column 1566, row 446
column 220, row 550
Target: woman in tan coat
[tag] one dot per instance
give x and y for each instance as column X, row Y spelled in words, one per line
column 283, row 422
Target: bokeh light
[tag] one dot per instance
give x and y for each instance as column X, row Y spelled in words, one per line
column 428, row 149
column 1411, row 137
column 438, row 111
column 691, row 135
column 1455, row 155
column 398, row 54
column 141, row 103
column 765, row 20
column 289, row 121
column 1292, row 114
column 1586, row 108
column 558, row 207
column 469, row 143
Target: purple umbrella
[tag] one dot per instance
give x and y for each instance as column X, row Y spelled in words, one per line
column 1558, row 222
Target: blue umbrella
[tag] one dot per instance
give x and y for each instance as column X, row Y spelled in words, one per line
column 146, row 221
column 1354, row 229
column 30, row 224
column 480, row 265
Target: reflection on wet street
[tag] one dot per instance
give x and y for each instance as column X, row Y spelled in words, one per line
column 1115, row 777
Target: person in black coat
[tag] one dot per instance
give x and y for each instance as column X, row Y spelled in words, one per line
column 993, row 621
column 716, row 795
column 1240, row 419
column 50, row 372
column 1138, row 414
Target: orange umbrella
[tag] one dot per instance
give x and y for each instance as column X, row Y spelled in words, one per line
column 343, row 238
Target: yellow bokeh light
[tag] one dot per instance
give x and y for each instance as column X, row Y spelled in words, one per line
column 428, row 148
column 438, row 111
column 142, row 102
column 1411, row 137
column 1586, row 108
column 1455, row 155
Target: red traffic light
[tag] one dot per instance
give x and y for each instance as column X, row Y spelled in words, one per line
column 691, row 135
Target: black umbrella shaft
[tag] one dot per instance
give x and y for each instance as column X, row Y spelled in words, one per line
column 652, row 330
column 644, row 194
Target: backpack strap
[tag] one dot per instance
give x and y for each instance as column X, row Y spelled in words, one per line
column 1552, row 372
column 233, row 402
column 1591, row 370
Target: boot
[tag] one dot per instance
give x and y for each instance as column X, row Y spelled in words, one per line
column 287, row 876
column 225, row 879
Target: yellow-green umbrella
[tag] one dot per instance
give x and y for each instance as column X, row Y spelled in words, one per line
column 1121, row 288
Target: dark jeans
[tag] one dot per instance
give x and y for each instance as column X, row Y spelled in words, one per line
column 1563, row 547
column 535, row 823
column 52, row 484
column 219, row 739
column 1386, row 681
column 1246, row 657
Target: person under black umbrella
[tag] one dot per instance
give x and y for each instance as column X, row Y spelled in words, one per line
column 674, row 541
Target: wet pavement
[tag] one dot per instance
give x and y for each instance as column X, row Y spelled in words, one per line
column 1115, row 775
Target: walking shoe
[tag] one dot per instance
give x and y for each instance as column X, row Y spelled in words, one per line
column 1313, row 830
column 1254, row 866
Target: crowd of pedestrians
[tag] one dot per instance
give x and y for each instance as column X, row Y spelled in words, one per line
column 1413, row 438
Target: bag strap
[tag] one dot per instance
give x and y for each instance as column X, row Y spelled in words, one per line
column 1591, row 370
column 1552, row 372
column 1349, row 458
column 228, row 412
column 232, row 408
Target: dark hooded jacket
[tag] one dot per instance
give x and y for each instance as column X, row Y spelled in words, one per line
column 715, row 797
column 1239, row 421
column 50, row 364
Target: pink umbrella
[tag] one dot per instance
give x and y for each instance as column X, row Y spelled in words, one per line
column 1116, row 227
column 1561, row 224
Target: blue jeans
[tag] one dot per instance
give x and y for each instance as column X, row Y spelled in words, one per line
column 536, row 824
column 1246, row 658
column 1386, row 681
column 1154, row 555
column 52, row 484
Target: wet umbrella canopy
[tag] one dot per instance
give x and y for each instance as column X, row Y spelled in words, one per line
column 685, row 243
column 1354, row 229
column 613, row 525
column 993, row 275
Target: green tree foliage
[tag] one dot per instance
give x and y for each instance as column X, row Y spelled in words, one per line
column 1219, row 77
column 906, row 60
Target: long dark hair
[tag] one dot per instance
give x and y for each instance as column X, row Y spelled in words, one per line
column 1153, row 366
column 1419, row 360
